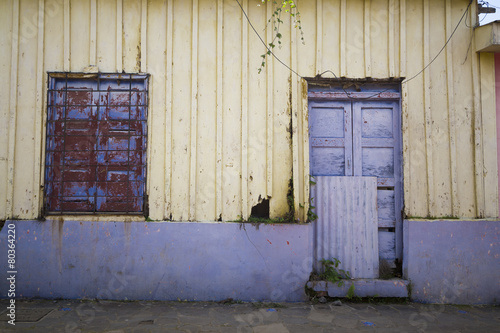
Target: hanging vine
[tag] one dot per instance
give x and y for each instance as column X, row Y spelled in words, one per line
column 280, row 7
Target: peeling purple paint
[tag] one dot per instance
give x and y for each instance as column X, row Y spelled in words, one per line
column 161, row 260
column 453, row 261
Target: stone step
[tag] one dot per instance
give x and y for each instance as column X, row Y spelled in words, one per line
column 363, row 287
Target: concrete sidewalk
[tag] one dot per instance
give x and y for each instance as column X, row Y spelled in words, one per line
column 72, row 316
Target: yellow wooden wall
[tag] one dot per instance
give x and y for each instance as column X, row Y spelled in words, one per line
column 219, row 132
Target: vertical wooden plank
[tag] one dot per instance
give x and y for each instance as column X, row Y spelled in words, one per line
column 391, row 46
column 119, row 36
column 294, row 130
column 107, row 36
column 414, row 149
column 402, row 38
column 464, row 119
column 53, row 59
column 404, row 108
column 67, row 36
column 54, row 40
column 379, row 35
column 319, row 36
column 244, row 116
column 131, row 33
column 257, row 105
column 93, row 33
column 207, row 108
column 231, row 122
column 79, row 34
column 343, row 37
column 497, row 111
column 354, row 39
column 6, row 21
column 181, row 110
column 194, row 112
column 478, row 134
column 270, row 107
column 282, row 152
column 488, row 104
column 302, row 53
column 220, row 44
column 39, row 114
column 427, row 111
column 169, row 107
column 441, row 198
column 26, row 143
column 12, row 109
column 144, row 34
column 156, row 45
column 397, row 38
column 451, row 110
column 329, row 39
column 367, row 38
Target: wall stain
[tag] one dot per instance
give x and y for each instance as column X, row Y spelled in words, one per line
column 138, row 59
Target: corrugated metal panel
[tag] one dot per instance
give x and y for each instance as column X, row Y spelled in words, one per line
column 213, row 145
column 347, row 225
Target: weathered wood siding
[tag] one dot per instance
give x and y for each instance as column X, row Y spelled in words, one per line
column 219, row 132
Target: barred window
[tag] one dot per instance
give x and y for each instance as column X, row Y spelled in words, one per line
column 96, row 143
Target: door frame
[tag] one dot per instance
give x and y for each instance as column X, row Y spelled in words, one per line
column 355, row 90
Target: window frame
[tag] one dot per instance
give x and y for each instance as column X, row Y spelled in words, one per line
column 135, row 181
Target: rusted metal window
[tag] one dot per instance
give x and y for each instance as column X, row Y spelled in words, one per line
column 96, row 143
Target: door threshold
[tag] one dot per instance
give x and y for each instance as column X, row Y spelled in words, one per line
column 363, row 288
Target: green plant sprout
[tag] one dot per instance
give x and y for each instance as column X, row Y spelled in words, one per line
column 311, row 215
column 350, row 293
column 332, row 273
column 287, row 6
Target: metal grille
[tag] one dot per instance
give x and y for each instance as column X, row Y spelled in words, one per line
column 96, row 143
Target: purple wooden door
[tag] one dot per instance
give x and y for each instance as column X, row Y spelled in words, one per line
column 362, row 138
column 96, row 143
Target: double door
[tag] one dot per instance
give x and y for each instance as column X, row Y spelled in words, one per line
column 362, row 138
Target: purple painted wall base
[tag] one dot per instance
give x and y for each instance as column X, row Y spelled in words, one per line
column 446, row 261
column 453, row 261
column 159, row 260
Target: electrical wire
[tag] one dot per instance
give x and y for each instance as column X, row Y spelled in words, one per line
column 444, row 46
column 485, row 15
column 490, row 5
column 264, row 43
column 269, row 51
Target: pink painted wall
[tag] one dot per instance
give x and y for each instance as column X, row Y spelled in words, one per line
column 497, row 93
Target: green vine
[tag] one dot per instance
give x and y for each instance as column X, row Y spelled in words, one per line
column 332, row 273
column 286, row 6
column 311, row 215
